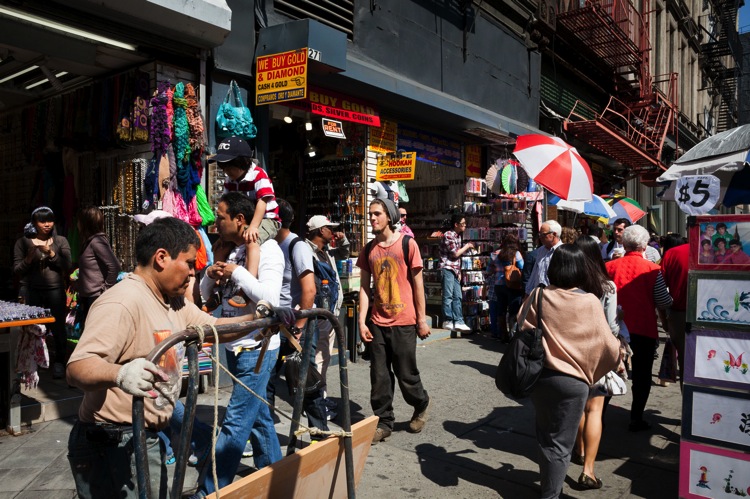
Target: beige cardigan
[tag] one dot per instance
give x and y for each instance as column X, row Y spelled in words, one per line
column 577, row 339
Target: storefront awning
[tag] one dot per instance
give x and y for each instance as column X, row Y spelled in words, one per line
column 200, row 23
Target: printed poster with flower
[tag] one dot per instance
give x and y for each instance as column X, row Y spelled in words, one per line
column 718, row 417
column 712, row 472
column 718, row 358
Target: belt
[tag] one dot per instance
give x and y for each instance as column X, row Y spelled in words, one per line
column 109, row 433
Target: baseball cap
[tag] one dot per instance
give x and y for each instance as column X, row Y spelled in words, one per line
column 319, row 221
column 233, row 147
column 154, row 215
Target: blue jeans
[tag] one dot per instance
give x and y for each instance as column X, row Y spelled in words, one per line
column 107, row 469
column 452, row 297
column 246, row 418
column 200, row 440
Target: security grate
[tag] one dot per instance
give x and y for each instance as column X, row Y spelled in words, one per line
column 338, row 14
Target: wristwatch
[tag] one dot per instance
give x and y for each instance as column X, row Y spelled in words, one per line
column 295, row 330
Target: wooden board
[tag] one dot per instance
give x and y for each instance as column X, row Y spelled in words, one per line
column 317, row 471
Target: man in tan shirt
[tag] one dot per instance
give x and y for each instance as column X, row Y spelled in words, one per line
column 108, row 363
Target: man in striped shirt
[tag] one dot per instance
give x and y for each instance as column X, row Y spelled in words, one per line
column 244, row 174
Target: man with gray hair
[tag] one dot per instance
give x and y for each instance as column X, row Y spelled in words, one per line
column 549, row 236
column 642, row 293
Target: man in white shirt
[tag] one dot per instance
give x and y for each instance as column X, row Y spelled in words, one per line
column 246, row 416
column 549, row 235
column 615, row 249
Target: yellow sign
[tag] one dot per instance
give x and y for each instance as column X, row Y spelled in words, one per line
column 397, row 168
column 473, row 161
column 281, row 77
column 383, row 138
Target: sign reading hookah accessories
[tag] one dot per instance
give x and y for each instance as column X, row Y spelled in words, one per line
column 281, row 77
column 396, row 167
column 430, row 147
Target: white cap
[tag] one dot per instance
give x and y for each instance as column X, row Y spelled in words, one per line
column 154, row 215
column 319, row 221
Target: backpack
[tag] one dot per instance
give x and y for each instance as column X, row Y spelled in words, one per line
column 512, row 275
column 404, row 246
column 522, row 363
column 322, row 271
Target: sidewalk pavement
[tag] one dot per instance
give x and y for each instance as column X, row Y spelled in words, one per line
column 476, row 444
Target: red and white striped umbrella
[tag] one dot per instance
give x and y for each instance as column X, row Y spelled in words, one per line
column 555, row 165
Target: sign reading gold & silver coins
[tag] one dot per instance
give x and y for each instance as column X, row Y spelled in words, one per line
column 396, row 167
column 281, row 77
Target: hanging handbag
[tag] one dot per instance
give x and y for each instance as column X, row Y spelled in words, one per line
column 522, row 363
column 234, row 119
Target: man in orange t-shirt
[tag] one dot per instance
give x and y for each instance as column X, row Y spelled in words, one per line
column 397, row 318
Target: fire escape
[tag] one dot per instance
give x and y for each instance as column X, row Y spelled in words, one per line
column 641, row 111
column 718, row 59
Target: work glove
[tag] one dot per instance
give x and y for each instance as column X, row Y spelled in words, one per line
column 285, row 315
column 138, row 378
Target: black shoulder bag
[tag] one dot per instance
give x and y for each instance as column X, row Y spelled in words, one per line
column 522, row 363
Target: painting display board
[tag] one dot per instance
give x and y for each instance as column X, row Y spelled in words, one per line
column 715, row 444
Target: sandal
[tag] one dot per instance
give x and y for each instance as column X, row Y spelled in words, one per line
column 587, row 482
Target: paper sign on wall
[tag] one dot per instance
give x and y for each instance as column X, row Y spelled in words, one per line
column 473, row 161
column 697, row 194
column 333, row 128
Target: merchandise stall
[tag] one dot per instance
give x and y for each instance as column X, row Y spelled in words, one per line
column 14, row 318
column 715, row 443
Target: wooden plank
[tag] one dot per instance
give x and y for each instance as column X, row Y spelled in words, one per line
column 317, row 471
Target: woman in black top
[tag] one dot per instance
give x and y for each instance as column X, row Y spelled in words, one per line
column 41, row 259
column 98, row 266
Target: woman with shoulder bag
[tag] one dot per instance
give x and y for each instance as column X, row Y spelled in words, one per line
column 576, row 356
column 590, row 428
column 98, row 266
column 42, row 261
column 505, row 290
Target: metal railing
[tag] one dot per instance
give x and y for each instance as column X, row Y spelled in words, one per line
column 192, row 340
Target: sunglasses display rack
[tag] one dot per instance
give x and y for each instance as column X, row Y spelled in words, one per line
column 335, row 189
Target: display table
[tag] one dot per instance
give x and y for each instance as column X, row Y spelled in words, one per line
column 9, row 331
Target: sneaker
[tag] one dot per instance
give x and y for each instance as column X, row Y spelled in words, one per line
column 448, row 325
column 331, row 404
column 461, row 326
column 58, row 370
column 419, row 418
column 330, row 414
column 380, row 434
column 248, row 452
column 170, row 460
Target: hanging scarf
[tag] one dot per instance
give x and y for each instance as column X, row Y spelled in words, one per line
column 32, row 354
column 181, row 143
column 161, row 133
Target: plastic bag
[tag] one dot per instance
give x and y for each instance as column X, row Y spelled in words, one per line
column 292, row 364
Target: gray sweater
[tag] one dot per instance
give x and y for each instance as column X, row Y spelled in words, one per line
column 97, row 267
